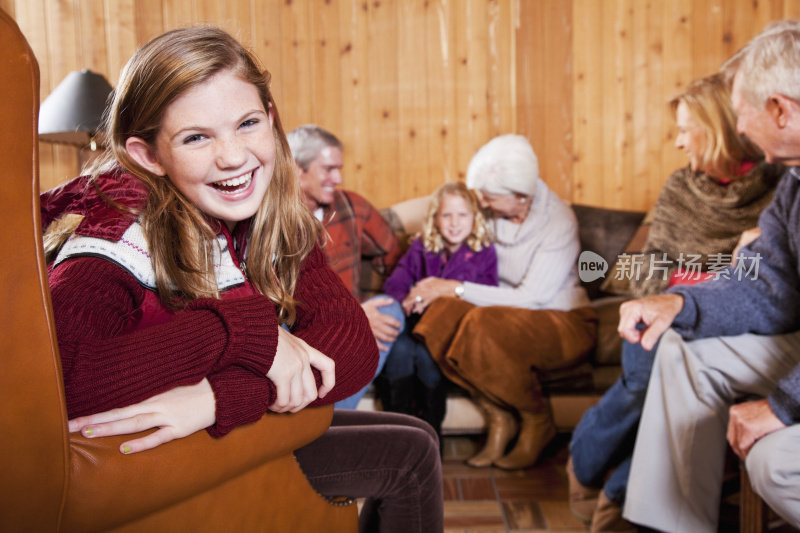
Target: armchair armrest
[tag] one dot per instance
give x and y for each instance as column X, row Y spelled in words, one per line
column 108, row 489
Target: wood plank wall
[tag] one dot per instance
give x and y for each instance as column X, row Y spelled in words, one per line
column 414, row 87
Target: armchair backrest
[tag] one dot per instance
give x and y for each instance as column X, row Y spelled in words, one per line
column 53, row 481
column 33, row 449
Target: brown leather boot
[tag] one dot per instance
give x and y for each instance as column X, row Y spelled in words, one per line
column 608, row 518
column 502, row 428
column 582, row 499
column 536, row 431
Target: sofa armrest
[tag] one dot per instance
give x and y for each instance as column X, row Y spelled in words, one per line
column 108, row 489
column 407, row 217
column 609, row 344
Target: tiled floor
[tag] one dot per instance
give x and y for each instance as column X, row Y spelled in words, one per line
column 491, row 500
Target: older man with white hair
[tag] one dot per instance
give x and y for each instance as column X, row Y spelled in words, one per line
column 730, row 365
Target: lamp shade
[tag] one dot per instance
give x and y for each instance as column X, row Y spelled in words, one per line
column 73, row 111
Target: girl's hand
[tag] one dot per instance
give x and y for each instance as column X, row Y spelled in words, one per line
column 177, row 413
column 291, row 373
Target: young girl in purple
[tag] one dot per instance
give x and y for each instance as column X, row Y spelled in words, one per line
column 455, row 244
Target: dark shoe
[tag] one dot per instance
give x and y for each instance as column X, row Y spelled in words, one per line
column 608, row 518
column 433, row 407
column 582, row 499
column 536, row 432
column 397, row 395
column 502, row 428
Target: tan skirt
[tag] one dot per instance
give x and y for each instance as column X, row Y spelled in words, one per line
column 498, row 350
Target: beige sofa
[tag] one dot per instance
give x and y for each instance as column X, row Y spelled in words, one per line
column 607, row 232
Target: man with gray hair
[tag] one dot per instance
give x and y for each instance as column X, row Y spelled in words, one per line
column 730, row 364
column 357, row 231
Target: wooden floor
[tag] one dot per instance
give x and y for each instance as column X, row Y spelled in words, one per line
column 491, row 500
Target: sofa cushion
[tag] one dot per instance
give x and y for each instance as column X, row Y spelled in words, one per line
column 618, row 280
column 605, row 232
column 609, row 343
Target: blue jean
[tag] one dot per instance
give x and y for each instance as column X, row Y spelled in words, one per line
column 409, row 357
column 603, row 439
column 394, row 310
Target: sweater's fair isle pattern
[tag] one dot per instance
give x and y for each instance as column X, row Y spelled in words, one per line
column 131, row 253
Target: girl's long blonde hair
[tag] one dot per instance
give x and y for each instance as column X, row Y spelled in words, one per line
column 180, row 236
column 479, row 238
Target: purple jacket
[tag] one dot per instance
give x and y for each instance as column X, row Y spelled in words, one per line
column 419, row 263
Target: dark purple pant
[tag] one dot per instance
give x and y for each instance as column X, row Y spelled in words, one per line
column 390, row 459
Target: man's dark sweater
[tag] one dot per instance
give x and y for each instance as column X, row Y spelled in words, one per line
column 766, row 302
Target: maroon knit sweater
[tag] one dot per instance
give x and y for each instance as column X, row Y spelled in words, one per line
column 231, row 341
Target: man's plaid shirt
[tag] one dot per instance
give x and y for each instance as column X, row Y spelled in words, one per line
column 357, row 231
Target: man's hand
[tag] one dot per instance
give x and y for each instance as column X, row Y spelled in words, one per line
column 656, row 312
column 384, row 327
column 749, row 421
column 176, row 413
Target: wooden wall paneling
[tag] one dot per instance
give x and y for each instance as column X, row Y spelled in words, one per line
column 588, row 129
column 8, row 7
column 296, row 64
column 476, row 113
column 29, row 15
column 677, row 73
column 461, row 95
column 440, row 83
column 618, row 107
column 501, row 91
column 414, row 128
column 708, row 37
column 93, row 53
column 381, row 184
column 267, row 37
column 791, row 9
column 558, row 72
column 228, row 15
column 355, row 94
column 472, row 70
column 648, row 117
column 755, row 16
column 556, row 108
column 533, row 82
column 92, row 39
column 149, row 17
column 325, row 76
column 61, row 21
column 121, row 40
column 178, row 13
column 745, row 20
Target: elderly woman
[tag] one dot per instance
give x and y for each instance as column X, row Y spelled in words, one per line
column 493, row 341
column 702, row 212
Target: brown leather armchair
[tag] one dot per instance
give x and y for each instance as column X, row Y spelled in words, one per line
column 53, row 481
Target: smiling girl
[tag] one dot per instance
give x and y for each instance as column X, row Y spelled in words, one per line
column 456, row 245
column 190, row 292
